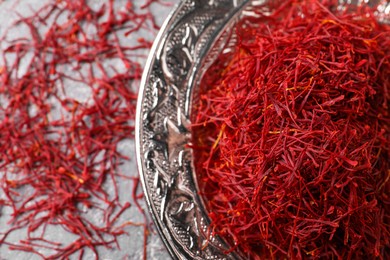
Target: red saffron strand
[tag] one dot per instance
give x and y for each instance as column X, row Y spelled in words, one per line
column 292, row 134
column 60, row 152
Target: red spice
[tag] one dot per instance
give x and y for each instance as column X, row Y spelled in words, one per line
column 60, row 151
column 292, row 132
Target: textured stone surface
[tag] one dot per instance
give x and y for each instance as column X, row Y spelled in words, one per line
column 132, row 245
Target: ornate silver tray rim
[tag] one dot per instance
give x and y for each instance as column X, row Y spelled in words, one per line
column 184, row 48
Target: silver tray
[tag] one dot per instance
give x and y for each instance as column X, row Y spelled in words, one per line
column 189, row 41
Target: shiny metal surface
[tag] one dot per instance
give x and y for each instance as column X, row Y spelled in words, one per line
column 165, row 164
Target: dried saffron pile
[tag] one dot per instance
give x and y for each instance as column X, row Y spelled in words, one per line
column 292, row 133
column 68, row 90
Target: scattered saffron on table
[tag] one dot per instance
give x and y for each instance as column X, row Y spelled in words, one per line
column 292, row 133
column 68, row 92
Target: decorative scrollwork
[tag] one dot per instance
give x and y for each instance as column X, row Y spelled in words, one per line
column 163, row 123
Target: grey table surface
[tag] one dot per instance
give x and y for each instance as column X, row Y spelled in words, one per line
column 131, row 246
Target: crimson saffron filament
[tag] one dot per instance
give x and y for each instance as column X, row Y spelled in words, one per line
column 292, row 137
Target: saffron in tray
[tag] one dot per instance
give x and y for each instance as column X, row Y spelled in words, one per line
column 292, row 134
